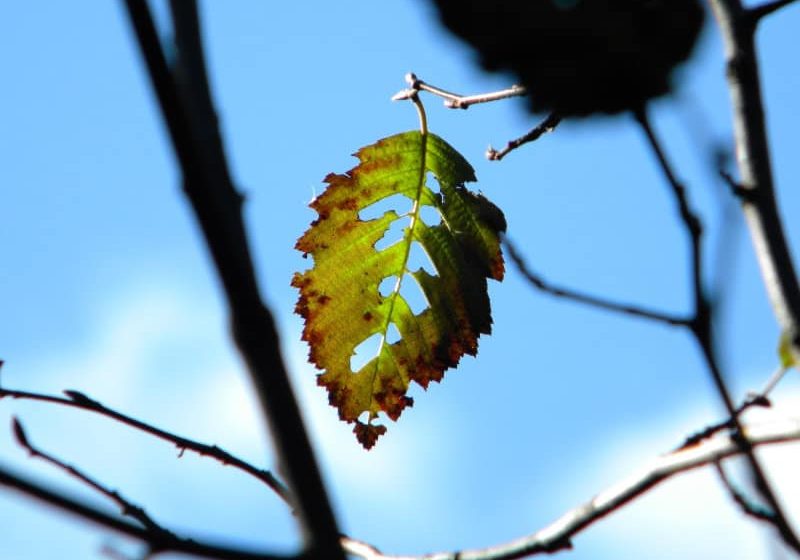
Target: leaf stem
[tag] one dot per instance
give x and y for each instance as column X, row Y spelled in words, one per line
column 423, row 118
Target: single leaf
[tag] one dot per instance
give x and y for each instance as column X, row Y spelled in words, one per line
column 786, row 349
column 340, row 298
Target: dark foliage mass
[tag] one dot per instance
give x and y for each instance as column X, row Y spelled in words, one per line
column 579, row 57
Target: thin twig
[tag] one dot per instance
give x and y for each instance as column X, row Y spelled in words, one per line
column 547, row 125
column 79, row 400
column 127, row 508
column 701, row 327
column 454, row 100
column 759, row 12
column 185, row 100
column 754, row 399
column 593, row 301
column 557, row 535
column 157, row 542
column 746, row 505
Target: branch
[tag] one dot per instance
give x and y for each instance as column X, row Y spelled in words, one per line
column 748, row 507
column 557, row 535
column 701, row 327
column 759, row 12
column 753, row 399
column 81, row 401
column 547, row 125
column 127, row 508
column 454, row 100
column 753, row 157
column 188, row 111
column 540, row 284
column 158, row 542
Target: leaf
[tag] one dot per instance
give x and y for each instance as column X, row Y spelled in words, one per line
column 340, row 298
column 786, row 349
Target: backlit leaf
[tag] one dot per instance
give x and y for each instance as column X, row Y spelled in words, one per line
column 340, row 297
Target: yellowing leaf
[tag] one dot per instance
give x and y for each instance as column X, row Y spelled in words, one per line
column 340, row 297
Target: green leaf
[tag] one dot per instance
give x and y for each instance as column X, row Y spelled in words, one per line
column 786, row 349
column 340, row 298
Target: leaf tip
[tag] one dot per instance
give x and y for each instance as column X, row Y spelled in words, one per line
column 368, row 434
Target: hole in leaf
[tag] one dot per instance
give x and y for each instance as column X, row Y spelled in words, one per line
column 392, row 334
column 397, row 202
column 386, row 287
column 392, row 235
column 413, row 295
column 364, row 352
column 430, row 215
column 418, row 258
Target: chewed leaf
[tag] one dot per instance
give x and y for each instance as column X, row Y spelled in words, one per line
column 341, row 299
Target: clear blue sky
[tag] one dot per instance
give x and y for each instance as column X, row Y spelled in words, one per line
column 106, row 288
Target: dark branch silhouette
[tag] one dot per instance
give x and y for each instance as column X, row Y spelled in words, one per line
column 80, row 401
column 540, row 283
column 702, row 329
column 157, row 542
column 185, row 100
column 549, row 124
column 127, row 508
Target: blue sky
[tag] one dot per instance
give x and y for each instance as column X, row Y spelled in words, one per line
column 106, row 288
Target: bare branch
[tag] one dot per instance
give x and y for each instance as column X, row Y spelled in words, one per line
column 593, row 301
column 768, row 8
column 747, row 506
column 185, row 100
column 79, row 400
column 557, row 535
column 127, row 508
column 753, row 158
column 753, row 399
column 454, row 100
column 547, row 125
column 157, row 542
column 701, row 327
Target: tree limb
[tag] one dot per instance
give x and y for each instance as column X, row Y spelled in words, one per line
column 540, row 283
column 186, row 106
column 157, row 542
column 557, row 535
column 768, row 8
column 127, row 507
column 753, row 158
column 702, row 329
column 76, row 399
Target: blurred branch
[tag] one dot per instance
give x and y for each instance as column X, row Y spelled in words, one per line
column 737, row 26
column 702, row 328
column 185, row 100
column 127, row 508
column 454, row 100
column 549, row 124
column 540, row 283
column 79, row 400
column 759, row 12
column 557, row 535
column 157, row 542
column 748, row 507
